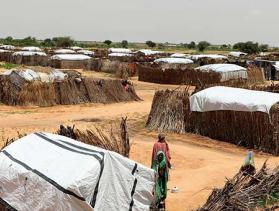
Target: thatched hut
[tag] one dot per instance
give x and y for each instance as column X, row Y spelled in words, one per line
column 64, row 51
column 70, row 61
column 122, row 57
column 16, row 90
column 86, row 52
column 179, row 55
column 7, row 47
column 269, row 68
column 6, row 55
column 237, row 54
column 100, row 52
column 201, row 76
column 121, row 69
column 31, row 58
column 244, row 117
column 147, row 55
column 32, row 49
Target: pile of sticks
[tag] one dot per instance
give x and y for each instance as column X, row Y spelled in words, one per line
column 247, row 192
column 116, row 140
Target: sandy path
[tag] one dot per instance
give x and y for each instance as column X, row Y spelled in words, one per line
column 199, row 163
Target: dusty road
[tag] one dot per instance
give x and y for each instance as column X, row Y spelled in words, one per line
column 199, row 163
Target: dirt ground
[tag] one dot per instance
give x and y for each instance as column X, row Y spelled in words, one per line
column 199, row 163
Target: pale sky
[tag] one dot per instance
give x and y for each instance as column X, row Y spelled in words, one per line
column 177, row 21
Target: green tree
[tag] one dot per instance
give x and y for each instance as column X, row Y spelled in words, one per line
column 263, row 47
column 150, row 44
column 203, row 45
column 108, row 42
column 247, row 47
column 63, row 41
column 48, row 43
column 192, row 45
column 124, row 44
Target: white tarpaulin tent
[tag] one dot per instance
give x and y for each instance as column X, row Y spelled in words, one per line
column 179, row 55
column 119, row 54
column 120, row 50
column 70, row 57
column 211, row 56
column 44, row 171
column 221, row 98
column 86, row 52
column 64, row 51
column 7, row 47
column 31, row 48
column 76, row 48
column 148, row 52
column 174, row 61
column 227, row 71
column 237, row 54
column 29, row 53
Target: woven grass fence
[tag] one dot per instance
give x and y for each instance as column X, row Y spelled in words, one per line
column 255, row 130
column 245, row 192
column 67, row 92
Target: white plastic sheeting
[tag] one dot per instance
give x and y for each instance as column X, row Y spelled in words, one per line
column 29, row 75
column 7, row 47
column 174, row 61
column 179, row 55
column 86, row 52
column 148, row 52
column 276, row 66
column 120, row 50
column 221, row 98
column 57, row 75
column 29, row 53
column 44, row 171
column 227, row 71
column 119, row 54
column 76, row 48
column 71, row 57
column 211, row 56
column 64, row 51
column 5, row 51
column 31, row 48
column 237, row 54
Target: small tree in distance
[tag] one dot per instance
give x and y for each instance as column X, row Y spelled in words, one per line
column 108, row 42
column 203, row 45
column 192, row 45
column 150, row 44
column 124, row 44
